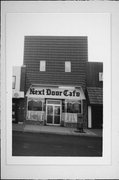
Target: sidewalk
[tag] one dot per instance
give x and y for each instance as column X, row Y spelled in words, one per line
column 57, row 130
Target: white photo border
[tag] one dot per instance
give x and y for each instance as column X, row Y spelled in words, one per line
column 8, row 161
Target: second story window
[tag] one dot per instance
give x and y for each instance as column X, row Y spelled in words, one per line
column 13, row 82
column 67, row 66
column 100, row 76
column 42, row 65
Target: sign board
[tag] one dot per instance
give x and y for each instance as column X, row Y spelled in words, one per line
column 17, row 94
column 55, row 93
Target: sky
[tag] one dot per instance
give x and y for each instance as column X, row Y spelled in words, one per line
column 94, row 25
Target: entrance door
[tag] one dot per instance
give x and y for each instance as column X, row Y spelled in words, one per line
column 53, row 112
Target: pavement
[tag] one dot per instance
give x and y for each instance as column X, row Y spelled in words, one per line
column 57, row 130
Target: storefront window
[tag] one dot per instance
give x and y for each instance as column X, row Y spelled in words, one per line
column 73, row 107
column 35, row 105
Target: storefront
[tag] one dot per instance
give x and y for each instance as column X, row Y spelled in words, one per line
column 54, row 105
column 18, row 109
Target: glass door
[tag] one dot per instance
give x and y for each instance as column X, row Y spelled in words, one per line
column 57, row 114
column 50, row 114
column 53, row 113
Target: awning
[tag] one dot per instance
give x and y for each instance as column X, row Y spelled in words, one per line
column 95, row 95
column 56, row 92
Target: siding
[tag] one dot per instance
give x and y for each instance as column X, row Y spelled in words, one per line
column 22, row 80
column 94, row 86
column 55, row 51
column 93, row 69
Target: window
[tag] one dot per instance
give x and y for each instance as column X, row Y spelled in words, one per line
column 67, row 66
column 53, row 102
column 35, row 105
column 74, row 107
column 13, row 82
column 42, row 65
column 100, row 76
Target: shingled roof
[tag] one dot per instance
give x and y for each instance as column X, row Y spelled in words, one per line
column 95, row 95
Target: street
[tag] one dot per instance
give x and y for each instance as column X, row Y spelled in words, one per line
column 41, row 144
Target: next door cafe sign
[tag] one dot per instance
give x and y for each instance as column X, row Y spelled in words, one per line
column 54, row 93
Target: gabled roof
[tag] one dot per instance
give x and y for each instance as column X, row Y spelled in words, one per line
column 95, row 95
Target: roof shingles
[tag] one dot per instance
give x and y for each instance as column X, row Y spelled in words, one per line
column 95, row 95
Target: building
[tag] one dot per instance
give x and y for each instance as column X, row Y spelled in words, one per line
column 60, row 86
column 95, row 94
column 18, row 85
column 56, row 79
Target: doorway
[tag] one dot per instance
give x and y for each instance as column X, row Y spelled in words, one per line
column 97, row 117
column 53, row 112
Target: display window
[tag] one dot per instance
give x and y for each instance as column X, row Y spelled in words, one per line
column 73, row 107
column 35, row 105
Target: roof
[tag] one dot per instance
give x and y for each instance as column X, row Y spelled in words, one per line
column 95, row 95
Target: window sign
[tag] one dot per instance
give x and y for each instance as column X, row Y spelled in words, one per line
column 67, row 66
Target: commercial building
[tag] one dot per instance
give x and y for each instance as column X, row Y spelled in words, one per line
column 18, row 96
column 58, row 79
column 95, row 94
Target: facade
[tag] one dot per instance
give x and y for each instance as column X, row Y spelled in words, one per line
column 18, row 85
column 95, row 94
column 57, row 84
column 55, row 80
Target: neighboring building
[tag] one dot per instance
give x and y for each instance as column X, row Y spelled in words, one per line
column 95, row 94
column 56, row 79
column 18, row 85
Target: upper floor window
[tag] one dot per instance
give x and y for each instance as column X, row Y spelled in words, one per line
column 67, row 66
column 42, row 65
column 13, row 82
column 100, row 76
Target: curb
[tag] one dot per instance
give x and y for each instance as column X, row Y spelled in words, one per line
column 58, row 133
column 84, row 134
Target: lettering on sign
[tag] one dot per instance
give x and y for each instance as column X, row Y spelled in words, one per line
column 50, row 92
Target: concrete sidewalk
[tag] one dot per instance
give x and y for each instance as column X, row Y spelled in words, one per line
column 57, row 130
